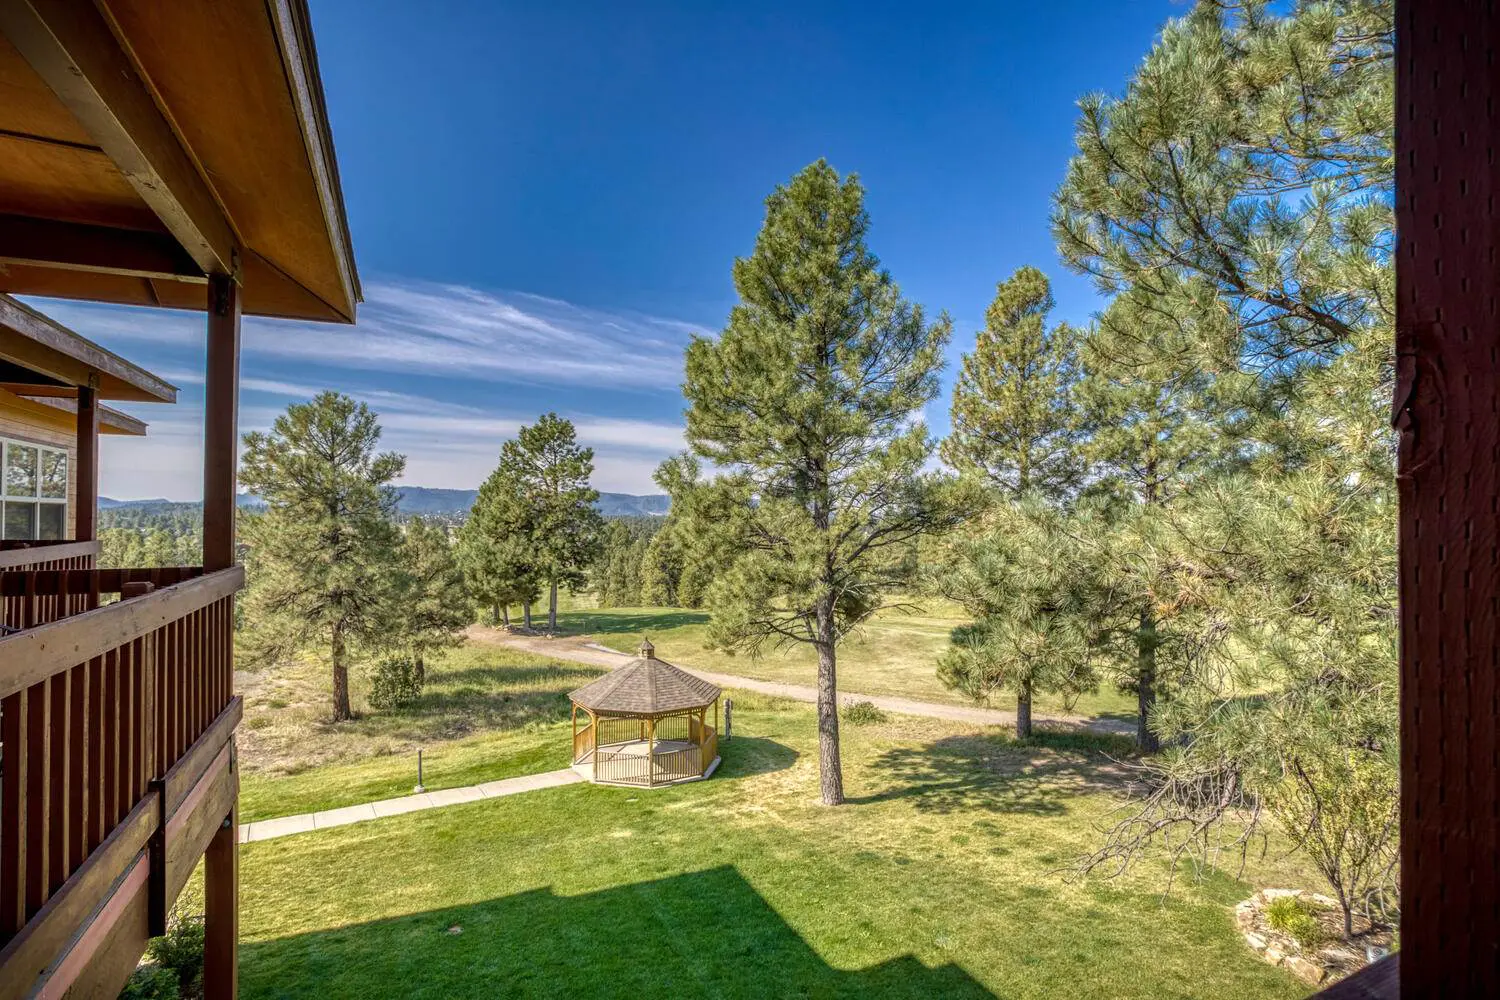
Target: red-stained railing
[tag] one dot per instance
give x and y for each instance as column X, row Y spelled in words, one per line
column 23, row 609
column 96, row 709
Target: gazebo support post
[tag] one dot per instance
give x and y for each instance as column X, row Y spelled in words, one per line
column 651, row 751
column 575, row 734
column 594, row 721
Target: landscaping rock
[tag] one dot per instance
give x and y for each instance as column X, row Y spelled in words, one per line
column 1315, row 967
column 1309, row 972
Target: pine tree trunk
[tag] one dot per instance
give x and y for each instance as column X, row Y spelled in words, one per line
column 421, row 670
column 552, row 609
column 526, row 614
column 341, row 711
column 830, row 771
column 1145, row 681
column 504, row 615
column 1023, row 711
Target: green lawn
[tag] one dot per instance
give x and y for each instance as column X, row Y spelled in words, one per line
column 939, row 878
column 486, row 713
column 894, row 654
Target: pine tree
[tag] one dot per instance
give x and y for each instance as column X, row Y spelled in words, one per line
column 1242, row 187
column 494, row 549
column 1012, row 414
column 806, row 402
column 1015, row 428
column 661, row 569
column 323, row 549
column 1156, row 426
column 431, row 605
column 1030, row 587
column 553, row 472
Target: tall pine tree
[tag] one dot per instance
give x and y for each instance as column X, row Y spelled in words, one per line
column 1156, row 426
column 322, row 552
column 494, row 547
column 1016, row 430
column 553, row 471
column 431, row 605
column 1243, row 183
column 806, row 401
column 1012, row 415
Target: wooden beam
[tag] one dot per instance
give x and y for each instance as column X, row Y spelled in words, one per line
column 221, row 422
column 1447, row 381
column 71, row 46
column 71, row 246
column 86, row 508
column 40, row 344
column 221, row 910
column 48, row 938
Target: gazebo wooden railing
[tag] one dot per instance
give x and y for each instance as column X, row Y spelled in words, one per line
column 612, row 747
column 118, row 770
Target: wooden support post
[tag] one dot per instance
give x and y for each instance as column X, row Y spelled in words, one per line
column 221, row 422
column 594, row 721
column 86, row 506
column 650, row 751
column 221, row 913
column 1447, row 381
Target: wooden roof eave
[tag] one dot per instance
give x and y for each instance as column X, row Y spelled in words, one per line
column 59, row 412
column 111, row 420
column 42, row 345
column 145, row 146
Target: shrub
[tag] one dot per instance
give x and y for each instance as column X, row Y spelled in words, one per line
column 151, row 982
column 395, row 681
column 863, row 713
column 175, row 966
column 1293, row 917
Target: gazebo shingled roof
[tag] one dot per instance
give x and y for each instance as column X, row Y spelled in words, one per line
column 646, row 686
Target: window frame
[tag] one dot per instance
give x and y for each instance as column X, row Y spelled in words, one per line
column 36, row 500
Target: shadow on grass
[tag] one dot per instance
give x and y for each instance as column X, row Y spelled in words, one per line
column 706, row 933
column 747, row 755
column 998, row 774
column 618, row 623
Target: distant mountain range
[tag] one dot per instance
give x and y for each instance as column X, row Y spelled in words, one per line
column 424, row 500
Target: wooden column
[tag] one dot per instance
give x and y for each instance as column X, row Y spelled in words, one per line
column 221, row 911
column 1448, row 378
column 221, row 422
column 221, row 874
column 651, row 751
column 86, row 475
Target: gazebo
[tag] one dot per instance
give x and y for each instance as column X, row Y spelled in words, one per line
column 647, row 725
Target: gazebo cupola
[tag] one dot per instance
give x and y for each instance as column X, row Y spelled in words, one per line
column 647, row 724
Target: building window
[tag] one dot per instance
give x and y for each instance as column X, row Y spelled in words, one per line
column 35, row 500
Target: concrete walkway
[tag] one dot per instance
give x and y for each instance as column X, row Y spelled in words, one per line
column 284, row 826
column 564, row 648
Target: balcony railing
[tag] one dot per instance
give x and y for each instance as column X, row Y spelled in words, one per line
column 115, row 761
column 18, row 556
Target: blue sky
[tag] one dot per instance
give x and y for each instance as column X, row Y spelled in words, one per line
column 546, row 199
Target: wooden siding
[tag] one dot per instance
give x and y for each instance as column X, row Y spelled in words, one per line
column 23, row 420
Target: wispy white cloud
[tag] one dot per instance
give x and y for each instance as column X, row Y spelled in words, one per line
column 427, row 357
column 436, row 329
